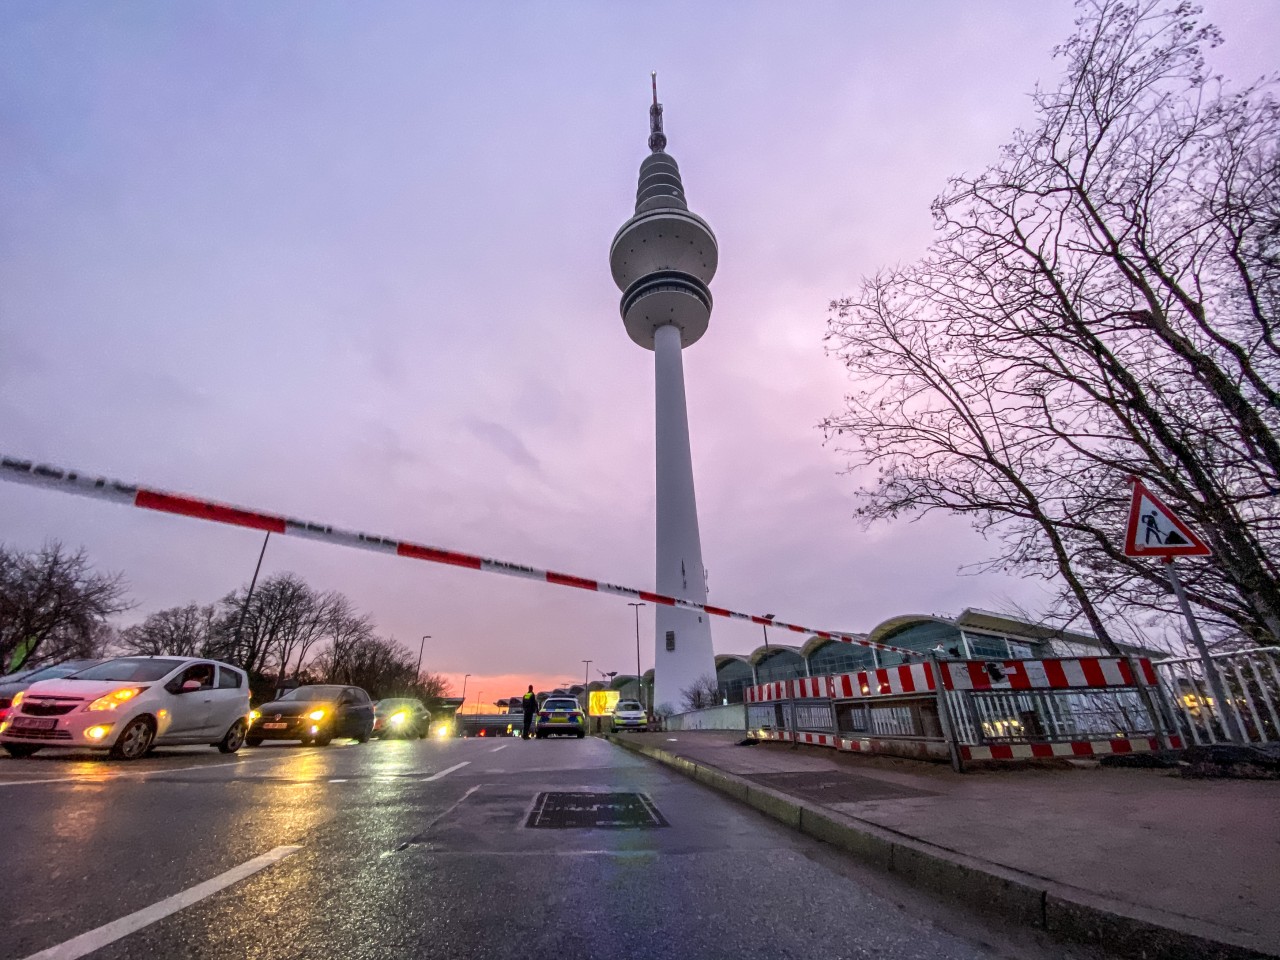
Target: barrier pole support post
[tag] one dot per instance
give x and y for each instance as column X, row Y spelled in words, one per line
column 944, row 715
column 1231, row 725
column 1154, row 701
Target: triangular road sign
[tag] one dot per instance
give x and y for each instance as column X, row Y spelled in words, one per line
column 1155, row 531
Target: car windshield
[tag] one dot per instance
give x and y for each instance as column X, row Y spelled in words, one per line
column 314, row 693
column 628, row 705
column 382, row 706
column 560, row 705
column 57, row 670
column 129, row 668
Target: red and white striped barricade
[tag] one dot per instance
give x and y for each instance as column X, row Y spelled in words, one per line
column 796, row 710
column 892, row 710
column 1069, row 707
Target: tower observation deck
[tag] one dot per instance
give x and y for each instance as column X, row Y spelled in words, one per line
column 662, row 260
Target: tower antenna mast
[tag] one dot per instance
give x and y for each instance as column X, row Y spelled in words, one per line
column 657, row 139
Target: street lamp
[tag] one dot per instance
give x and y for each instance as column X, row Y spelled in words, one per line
column 639, row 675
column 476, row 711
column 765, row 628
column 464, row 688
column 417, row 674
column 586, row 680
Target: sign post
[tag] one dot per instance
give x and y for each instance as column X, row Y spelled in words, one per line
column 1154, row 530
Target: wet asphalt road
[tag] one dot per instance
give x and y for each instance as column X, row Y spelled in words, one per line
column 404, row 853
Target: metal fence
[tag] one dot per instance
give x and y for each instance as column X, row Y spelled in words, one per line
column 987, row 709
column 1048, row 716
column 1251, row 681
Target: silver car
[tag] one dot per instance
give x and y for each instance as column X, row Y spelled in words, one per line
column 130, row 704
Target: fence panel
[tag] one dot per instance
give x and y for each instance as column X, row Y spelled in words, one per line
column 1251, row 679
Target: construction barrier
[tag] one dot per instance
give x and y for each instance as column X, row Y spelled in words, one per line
column 970, row 709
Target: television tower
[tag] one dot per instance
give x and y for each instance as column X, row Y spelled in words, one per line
column 662, row 260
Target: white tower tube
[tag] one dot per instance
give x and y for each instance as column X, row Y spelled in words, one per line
column 683, row 644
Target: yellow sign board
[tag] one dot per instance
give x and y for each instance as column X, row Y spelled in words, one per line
column 603, row 702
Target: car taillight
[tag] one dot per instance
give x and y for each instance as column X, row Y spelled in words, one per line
column 543, row 715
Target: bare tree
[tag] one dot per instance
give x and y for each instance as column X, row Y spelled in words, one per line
column 702, row 693
column 190, row 631
column 53, row 606
column 1099, row 303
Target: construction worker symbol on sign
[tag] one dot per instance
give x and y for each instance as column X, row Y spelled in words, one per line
column 1152, row 535
column 1156, row 531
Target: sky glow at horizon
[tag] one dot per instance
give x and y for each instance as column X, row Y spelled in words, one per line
column 351, row 263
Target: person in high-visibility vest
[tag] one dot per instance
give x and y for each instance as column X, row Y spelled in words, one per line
column 530, row 704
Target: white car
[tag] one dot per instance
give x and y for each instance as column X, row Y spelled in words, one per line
column 130, row 704
column 629, row 715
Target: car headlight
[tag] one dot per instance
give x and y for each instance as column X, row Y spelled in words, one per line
column 253, row 715
column 17, row 701
column 115, row 698
column 316, row 715
column 399, row 717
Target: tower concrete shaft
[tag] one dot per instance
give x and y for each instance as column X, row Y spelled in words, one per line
column 662, row 259
column 683, row 643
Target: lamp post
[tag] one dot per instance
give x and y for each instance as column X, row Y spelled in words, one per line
column 244, row 607
column 464, row 688
column 765, row 628
column 417, row 673
column 639, row 675
column 586, row 679
column 476, row 711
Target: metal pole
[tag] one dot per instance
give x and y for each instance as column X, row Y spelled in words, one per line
column 586, row 679
column 639, row 675
column 417, row 673
column 464, row 687
column 1233, row 730
column 944, row 716
column 252, row 583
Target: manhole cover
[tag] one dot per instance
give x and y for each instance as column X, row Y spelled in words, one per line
column 612, row 811
column 836, row 787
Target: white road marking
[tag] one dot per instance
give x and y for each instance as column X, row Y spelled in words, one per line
column 130, row 774
column 113, row 931
column 337, row 781
column 501, row 746
column 446, row 771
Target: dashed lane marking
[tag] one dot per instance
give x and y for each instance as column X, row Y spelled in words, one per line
column 445, row 772
column 501, row 746
column 109, row 933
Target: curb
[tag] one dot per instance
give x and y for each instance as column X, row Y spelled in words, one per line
column 1064, row 913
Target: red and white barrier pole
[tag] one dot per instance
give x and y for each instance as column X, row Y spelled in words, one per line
column 48, row 477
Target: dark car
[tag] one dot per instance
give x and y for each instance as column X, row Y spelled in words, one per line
column 400, row 717
column 15, row 683
column 314, row 714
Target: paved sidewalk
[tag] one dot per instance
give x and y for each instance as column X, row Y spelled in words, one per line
column 1140, row 861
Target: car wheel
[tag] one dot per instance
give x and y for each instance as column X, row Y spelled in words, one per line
column 253, row 741
column 322, row 740
column 234, row 738
column 20, row 750
column 581, row 735
column 134, row 740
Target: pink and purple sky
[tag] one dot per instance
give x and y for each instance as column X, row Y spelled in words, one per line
column 349, row 262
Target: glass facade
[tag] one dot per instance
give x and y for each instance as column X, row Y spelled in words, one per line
column 780, row 664
column 838, row 657
column 923, row 637
column 733, row 677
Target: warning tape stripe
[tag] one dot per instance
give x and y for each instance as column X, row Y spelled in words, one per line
column 48, row 477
